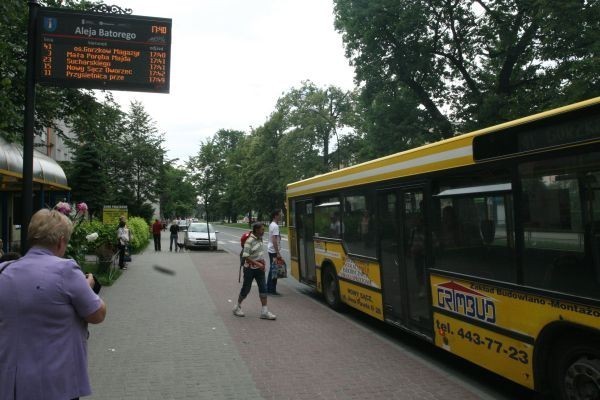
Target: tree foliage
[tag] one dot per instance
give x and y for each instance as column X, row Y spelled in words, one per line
column 471, row 63
column 317, row 114
column 178, row 196
column 118, row 157
column 141, row 156
column 52, row 103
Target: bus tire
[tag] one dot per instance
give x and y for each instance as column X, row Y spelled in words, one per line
column 576, row 372
column 331, row 288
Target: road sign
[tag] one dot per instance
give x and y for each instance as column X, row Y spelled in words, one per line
column 103, row 51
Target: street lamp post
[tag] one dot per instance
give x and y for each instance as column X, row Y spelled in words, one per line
column 27, row 190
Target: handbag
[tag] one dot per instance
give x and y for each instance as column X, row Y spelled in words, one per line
column 127, row 254
column 281, row 268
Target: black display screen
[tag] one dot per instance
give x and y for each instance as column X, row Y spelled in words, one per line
column 575, row 127
column 103, row 51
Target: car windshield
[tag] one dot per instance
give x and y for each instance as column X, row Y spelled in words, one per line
column 200, row 228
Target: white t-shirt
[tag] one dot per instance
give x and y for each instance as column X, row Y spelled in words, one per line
column 273, row 231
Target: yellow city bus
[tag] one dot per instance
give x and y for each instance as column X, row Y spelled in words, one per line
column 486, row 244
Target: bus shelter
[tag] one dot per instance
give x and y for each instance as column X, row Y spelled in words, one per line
column 49, row 187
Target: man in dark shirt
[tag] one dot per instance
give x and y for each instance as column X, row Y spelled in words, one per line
column 174, row 229
column 156, row 227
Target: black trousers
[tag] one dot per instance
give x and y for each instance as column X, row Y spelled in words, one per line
column 156, row 241
column 121, row 255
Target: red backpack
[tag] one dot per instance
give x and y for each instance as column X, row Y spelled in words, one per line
column 245, row 237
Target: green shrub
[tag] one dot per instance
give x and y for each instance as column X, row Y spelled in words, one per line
column 105, row 277
column 79, row 245
column 140, row 234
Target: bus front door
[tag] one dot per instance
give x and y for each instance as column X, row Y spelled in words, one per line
column 402, row 240
column 305, row 232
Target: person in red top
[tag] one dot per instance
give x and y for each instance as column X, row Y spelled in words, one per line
column 156, row 228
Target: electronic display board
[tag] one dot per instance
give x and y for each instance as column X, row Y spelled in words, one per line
column 103, row 51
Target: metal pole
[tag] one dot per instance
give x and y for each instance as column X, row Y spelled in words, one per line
column 27, row 192
column 207, row 226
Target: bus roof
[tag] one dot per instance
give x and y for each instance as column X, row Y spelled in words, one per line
column 445, row 154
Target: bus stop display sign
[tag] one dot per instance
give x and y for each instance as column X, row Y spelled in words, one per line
column 100, row 51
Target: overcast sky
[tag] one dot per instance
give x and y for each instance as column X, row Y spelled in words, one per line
column 232, row 59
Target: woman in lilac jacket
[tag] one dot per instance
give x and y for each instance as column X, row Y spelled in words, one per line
column 46, row 303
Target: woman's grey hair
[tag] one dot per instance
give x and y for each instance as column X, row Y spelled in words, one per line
column 47, row 227
column 256, row 226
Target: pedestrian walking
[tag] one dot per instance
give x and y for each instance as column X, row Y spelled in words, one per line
column 156, row 228
column 174, row 229
column 123, row 241
column 254, row 269
column 46, row 303
column 273, row 248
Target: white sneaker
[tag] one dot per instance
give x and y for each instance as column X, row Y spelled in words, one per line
column 268, row 315
column 237, row 311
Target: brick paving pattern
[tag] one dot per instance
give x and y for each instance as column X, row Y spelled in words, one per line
column 174, row 337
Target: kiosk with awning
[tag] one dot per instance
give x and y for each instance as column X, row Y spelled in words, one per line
column 49, row 187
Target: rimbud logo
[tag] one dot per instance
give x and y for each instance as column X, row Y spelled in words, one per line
column 461, row 300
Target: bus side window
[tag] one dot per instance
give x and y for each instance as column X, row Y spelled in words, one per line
column 476, row 236
column 359, row 232
column 560, row 242
column 593, row 204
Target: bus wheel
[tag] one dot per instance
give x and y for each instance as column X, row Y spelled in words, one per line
column 578, row 371
column 331, row 289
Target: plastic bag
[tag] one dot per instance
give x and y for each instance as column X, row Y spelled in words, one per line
column 281, row 268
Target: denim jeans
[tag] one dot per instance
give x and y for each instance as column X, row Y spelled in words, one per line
column 173, row 240
column 250, row 275
column 271, row 283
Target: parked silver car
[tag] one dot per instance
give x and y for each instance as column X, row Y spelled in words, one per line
column 182, row 224
column 197, row 235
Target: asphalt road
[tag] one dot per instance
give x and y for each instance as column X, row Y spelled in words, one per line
column 480, row 380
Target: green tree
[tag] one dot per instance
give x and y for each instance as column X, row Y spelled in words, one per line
column 98, row 129
column 178, row 196
column 264, row 166
column 88, row 179
column 207, row 175
column 472, row 63
column 140, row 162
column 316, row 111
column 52, row 103
column 226, row 142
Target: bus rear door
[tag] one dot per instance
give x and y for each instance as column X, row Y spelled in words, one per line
column 305, row 233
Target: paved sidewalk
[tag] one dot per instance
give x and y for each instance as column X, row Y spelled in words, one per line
column 163, row 337
column 174, row 337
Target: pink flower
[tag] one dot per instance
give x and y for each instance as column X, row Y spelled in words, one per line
column 82, row 208
column 63, row 208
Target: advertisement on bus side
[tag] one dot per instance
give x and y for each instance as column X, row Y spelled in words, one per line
column 359, row 280
column 495, row 326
